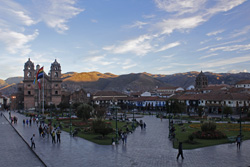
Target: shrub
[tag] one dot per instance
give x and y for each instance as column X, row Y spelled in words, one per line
column 208, row 126
column 191, row 137
column 101, row 127
column 209, row 135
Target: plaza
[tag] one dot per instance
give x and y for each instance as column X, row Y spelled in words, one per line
column 148, row 147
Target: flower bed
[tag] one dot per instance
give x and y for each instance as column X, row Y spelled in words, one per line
column 209, row 135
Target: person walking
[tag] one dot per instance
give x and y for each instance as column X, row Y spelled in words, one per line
column 58, row 136
column 33, row 141
column 238, row 141
column 122, row 135
column 125, row 137
column 53, row 134
column 180, row 151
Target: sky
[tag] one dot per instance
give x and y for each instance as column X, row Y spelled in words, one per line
column 125, row 36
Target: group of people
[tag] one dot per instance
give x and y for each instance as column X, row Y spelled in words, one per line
column 47, row 130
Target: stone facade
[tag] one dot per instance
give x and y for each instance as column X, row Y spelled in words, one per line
column 201, row 81
column 50, row 86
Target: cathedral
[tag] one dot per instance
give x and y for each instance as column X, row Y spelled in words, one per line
column 201, row 81
column 49, row 91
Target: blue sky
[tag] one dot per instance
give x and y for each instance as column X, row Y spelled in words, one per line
column 125, row 36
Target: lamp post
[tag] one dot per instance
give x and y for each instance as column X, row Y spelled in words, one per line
column 70, row 125
column 240, row 121
column 169, row 103
column 114, row 103
column 51, row 110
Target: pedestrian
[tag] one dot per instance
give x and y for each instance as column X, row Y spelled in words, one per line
column 238, row 141
column 33, row 141
column 125, row 137
column 40, row 130
column 37, row 120
column 144, row 125
column 53, row 134
column 30, row 121
column 122, row 135
column 180, row 151
column 23, row 122
column 1, row 114
column 27, row 121
column 58, row 136
column 113, row 141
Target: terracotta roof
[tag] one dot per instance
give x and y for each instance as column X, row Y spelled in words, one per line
column 243, row 82
column 109, row 93
column 164, row 88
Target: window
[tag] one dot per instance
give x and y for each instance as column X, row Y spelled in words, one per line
column 29, row 93
column 56, row 92
column 56, row 74
column 28, row 85
column 56, row 85
column 29, row 74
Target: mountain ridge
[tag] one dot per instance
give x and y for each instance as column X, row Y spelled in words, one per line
column 94, row 81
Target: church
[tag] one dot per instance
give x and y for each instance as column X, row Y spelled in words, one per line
column 49, row 91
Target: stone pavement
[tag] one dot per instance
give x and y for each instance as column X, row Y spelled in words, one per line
column 145, row 148
column 14, row 152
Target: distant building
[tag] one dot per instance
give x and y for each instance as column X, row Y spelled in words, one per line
column 243, row 84
column 201, row 81
column 50, row 84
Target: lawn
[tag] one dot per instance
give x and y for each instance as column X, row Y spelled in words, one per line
column 227, row 128
column 87, row 134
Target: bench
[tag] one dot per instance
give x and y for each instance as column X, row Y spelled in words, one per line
column 231, row 139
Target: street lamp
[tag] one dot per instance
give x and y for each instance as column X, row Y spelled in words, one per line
column 70, row 125
column 169, row 103
column 240, row 121
column 114, row 102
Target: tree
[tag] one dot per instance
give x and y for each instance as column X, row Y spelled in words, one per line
column 200, row 111
column 177, row 107
column 101, row 127
column 84, row 111
column 227, row 110
column 99, row 112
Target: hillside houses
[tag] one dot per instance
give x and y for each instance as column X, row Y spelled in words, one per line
column 212, row 98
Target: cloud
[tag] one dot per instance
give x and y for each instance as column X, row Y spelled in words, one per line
column 94, row 21
column 232, row 48
column 224, row 62
column 168, row 26
column 243, row 31
column 128, row 63
column 180, row 6
column 224, row 6
column 56, row 13
column 148, row 16
column 210, row 55
column 168, row 46
column 139, row 46
column 14, row 14
column 137, row 24
column 17, row 42
column 225, row 43
column 237, row 71
column 98, row 60
column 215, row 32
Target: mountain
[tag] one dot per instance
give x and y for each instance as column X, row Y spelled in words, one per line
column 15, row 80
column 94, row 81
column 97, row 81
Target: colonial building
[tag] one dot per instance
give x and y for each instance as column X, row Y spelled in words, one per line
column 50, row 90
column 243, row 84
column 201, row 81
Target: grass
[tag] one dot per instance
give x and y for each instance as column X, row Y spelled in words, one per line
column 227, row 128
column 93, row 137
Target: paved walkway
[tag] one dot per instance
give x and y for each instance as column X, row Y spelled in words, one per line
column 14, row 152
column 145, row 148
